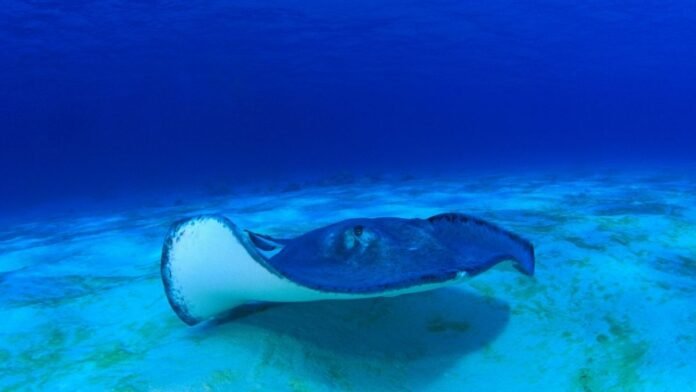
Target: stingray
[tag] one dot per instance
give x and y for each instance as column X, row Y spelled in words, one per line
column 210, row 266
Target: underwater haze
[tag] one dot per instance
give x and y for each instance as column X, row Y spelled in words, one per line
column 572, row 124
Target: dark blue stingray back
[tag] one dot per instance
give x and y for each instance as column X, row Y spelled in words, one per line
column 375, row 255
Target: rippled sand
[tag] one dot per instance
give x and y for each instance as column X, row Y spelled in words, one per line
column 612, row 307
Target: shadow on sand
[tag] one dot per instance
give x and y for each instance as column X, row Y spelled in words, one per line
column 382, row 343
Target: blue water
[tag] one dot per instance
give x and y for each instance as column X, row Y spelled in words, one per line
column 98, row 97
column 571, row 123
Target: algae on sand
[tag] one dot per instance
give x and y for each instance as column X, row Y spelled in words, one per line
column 613, row 284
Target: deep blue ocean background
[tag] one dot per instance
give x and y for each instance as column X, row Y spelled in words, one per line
column 109, row 98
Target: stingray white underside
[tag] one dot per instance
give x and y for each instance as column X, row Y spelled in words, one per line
column 208, row 271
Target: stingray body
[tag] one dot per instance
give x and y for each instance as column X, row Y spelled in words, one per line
column 209, row 265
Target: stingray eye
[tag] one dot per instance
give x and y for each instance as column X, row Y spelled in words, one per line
column 358, row 230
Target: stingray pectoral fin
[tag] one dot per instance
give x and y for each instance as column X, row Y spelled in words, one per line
column 524, row 262
column 198, row 261
column 209, row 267
column 482, row 243
column 490, row 263
column 520, row 252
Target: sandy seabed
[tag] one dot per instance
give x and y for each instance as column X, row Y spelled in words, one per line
column 612, row 305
